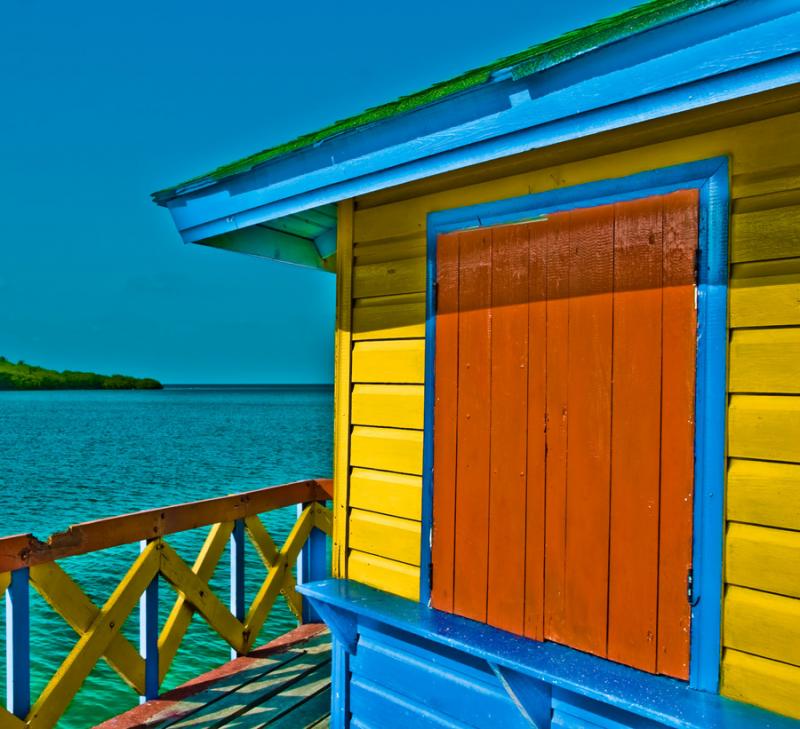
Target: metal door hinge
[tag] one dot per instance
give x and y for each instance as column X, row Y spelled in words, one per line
column 690, row 586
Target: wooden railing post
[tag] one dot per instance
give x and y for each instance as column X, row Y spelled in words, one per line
column 148, row 635
column 312, row 564
column 18, row 644
column 237, row 574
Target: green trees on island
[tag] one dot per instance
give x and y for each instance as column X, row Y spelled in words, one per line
column 22, row 376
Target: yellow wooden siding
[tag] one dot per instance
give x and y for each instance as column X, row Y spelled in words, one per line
column 765, row 360
column 385, row 536
column 763, row 624
column 761, row 681
column 389, row 361
column 393, row 406
column 766, row 427
column 387, row 449
column 384, row 574
column 763, row 558
column 766, row 294
column 764, row 493
column 783, row 224
column 389, row 278
column 387, row 493
column 388, row 317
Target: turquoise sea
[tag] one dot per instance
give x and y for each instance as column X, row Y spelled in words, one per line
column 67, row 457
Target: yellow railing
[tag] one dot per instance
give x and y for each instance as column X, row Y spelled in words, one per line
column 26, row 561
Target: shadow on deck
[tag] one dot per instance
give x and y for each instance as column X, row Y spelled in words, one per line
column 284, row 685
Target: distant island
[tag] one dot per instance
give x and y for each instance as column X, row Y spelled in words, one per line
column 21, row 376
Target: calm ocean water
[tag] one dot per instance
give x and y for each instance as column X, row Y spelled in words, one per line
column 67, row 457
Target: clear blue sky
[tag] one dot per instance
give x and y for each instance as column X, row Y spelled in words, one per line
column 104, row 102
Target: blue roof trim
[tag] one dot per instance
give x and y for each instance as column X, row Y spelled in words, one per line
column 731, row 51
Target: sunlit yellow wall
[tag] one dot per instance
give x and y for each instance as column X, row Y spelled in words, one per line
column 380, row 405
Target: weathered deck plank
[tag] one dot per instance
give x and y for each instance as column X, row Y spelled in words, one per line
column 285, row 684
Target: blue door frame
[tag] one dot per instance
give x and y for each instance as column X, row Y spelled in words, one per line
column 710, row 178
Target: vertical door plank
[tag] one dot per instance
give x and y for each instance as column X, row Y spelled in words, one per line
column 589, row 428
column 677, row 426
column 636, row 434
column 445, row 418
column 508, row 423
column 557, row 246
column 472, row 470
column 539, row 236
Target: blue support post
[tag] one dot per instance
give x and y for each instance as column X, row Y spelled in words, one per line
column 18, row 644
column 148, row 635
column 237, row 573
column 312, row 565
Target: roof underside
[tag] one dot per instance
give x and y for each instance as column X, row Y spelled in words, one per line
column 520, row 65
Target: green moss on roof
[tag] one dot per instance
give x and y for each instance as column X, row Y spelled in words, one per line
column 532, row 60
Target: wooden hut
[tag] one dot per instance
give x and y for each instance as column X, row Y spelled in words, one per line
column 567, row 439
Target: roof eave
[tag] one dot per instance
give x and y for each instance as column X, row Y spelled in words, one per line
column 735, row 50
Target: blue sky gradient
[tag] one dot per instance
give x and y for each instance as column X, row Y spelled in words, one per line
column 104, row 102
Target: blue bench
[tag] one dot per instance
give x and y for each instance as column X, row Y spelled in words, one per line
column 438, row 669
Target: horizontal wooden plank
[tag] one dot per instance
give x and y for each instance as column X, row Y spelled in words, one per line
column 387, row 449
column 396, row 494
column 762, row 624
column 765, row 294
column 393, row 406
column 760, row 681
column 384, row 574
column 766, row 234
column 397, row 361
column 765, row 427
column 764, row 493
column 24, row 550
column 774, row 180
column 389, row 317
column 385, row 536
column 765, row 360
column 763, row 558
column 391, row 249
column 387, row 278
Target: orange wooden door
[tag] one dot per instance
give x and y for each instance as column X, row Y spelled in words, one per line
column 564, row 428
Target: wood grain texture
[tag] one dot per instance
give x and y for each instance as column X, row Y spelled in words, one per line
column 679, row 345
column 558, row 365
column 762, row 624
column 387, row 449
column 589, row 429
column 400, row 361
column 388, row 278
column 392, row 406
column 472, row 469
column 385, row 574
column 389, row 317
column 773, row 233
column 765, row 361
column 764, row 493
column 385, row 536
column 395, row 494
column 636, row 434
column 539, row 245
column 445, row 418
column 764, row 427
column 508, row 439
column 763, row 558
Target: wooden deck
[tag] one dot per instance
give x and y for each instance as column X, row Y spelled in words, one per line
column 284, row 685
